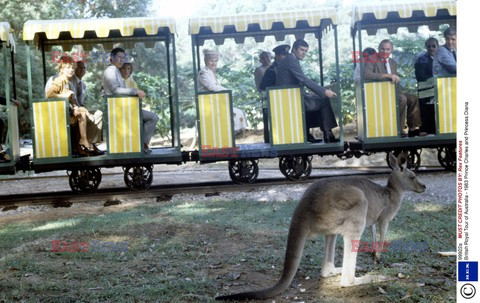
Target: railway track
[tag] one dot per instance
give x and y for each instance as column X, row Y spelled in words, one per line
column 111, row 196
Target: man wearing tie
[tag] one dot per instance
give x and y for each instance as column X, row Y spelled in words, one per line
column 386, row 68
column 445, row 60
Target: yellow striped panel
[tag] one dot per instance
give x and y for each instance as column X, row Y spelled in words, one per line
column 447, row 104
column 380, row 110
column 124, row 125
column 405, row 10
column 264, row 20
column 287, row 115
column 51, row 135
column 102, row 27
column 215, row 120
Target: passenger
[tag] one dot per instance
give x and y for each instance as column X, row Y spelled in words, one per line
column 4, row 127
column 269, row 79
column 126, row 71
column 445, row 61
column 114, row 84
column 317, row 106
column 95, row 120
column 366, row 57
column 424, row 64
column 266, row 60
column 270, row 76
column 386, row 68
column 207, row 82
column 60, row 88
column 424, row 74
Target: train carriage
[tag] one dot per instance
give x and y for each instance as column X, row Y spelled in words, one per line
column 378, row 125
column 287, row 130
column 9, row 139
column 122, row 114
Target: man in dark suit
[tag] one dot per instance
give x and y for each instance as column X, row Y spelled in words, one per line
column 424, row 74
column 270, row 76
column 445, row 61
column 269, row 79
column 424, row 64
column 317, row 106
column 386, row 68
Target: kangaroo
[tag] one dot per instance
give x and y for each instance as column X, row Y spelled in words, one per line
column 342, row 206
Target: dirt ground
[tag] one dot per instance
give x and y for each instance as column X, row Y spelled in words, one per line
column 213, row 250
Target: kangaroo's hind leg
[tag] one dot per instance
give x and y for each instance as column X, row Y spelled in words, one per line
column 328, row 267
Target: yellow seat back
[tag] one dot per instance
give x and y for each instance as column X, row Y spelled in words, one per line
column 215, row 120
column 287, row 117
column 380, row 109
column 447, row 104
column 51, row 131
column 124, row 125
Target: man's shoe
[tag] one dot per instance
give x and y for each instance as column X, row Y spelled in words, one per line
column 329, row 137
column 403, row 134
column 312, row 139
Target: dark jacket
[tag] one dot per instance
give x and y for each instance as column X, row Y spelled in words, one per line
column 270, row 77
column 424, row 67
column 289, row 72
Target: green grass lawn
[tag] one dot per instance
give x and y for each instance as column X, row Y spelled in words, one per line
column 190, row 252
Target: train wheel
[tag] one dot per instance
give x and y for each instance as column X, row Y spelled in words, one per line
column 413, row 158
column 243, row 171
column 447, row 157
column 84, row 181
column 138, row 177
column 296, row 168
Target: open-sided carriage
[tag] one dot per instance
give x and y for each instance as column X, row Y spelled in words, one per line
column 286, row 110
column 9, row 132
column 122, row 114
column 378, row 125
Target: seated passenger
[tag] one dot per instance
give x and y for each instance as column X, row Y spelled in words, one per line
column 424, row 64
column 268, row 80
column 266, row 59
column 4, row 127
column 95, row 120
column 424, row 74
column 366, row 57
column 386, row 68
column 114, row 84
column 60, row 88
column 318, row 110
column 270, row 76
column 207, row 82
column 126, row 71
column 445, row 61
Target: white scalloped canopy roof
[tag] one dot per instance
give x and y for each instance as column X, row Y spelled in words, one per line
column 102, row 27
column 265, row 21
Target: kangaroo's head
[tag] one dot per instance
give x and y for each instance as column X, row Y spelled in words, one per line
column 403, row 178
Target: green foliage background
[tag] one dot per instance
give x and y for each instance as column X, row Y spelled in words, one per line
column 236, row 64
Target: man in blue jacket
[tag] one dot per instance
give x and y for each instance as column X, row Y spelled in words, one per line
column 445, row 61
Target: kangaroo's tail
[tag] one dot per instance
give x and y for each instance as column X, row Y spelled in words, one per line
column 297, row 236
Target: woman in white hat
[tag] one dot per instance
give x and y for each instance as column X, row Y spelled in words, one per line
column 207, row 79
column 207, row 82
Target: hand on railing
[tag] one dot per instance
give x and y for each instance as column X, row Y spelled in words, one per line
column 140, row 93
column 330, row 93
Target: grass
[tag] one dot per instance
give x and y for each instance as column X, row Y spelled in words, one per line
column 190, row 252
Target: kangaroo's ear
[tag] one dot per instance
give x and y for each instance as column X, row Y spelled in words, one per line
column 402, row 161
column 393, row 161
